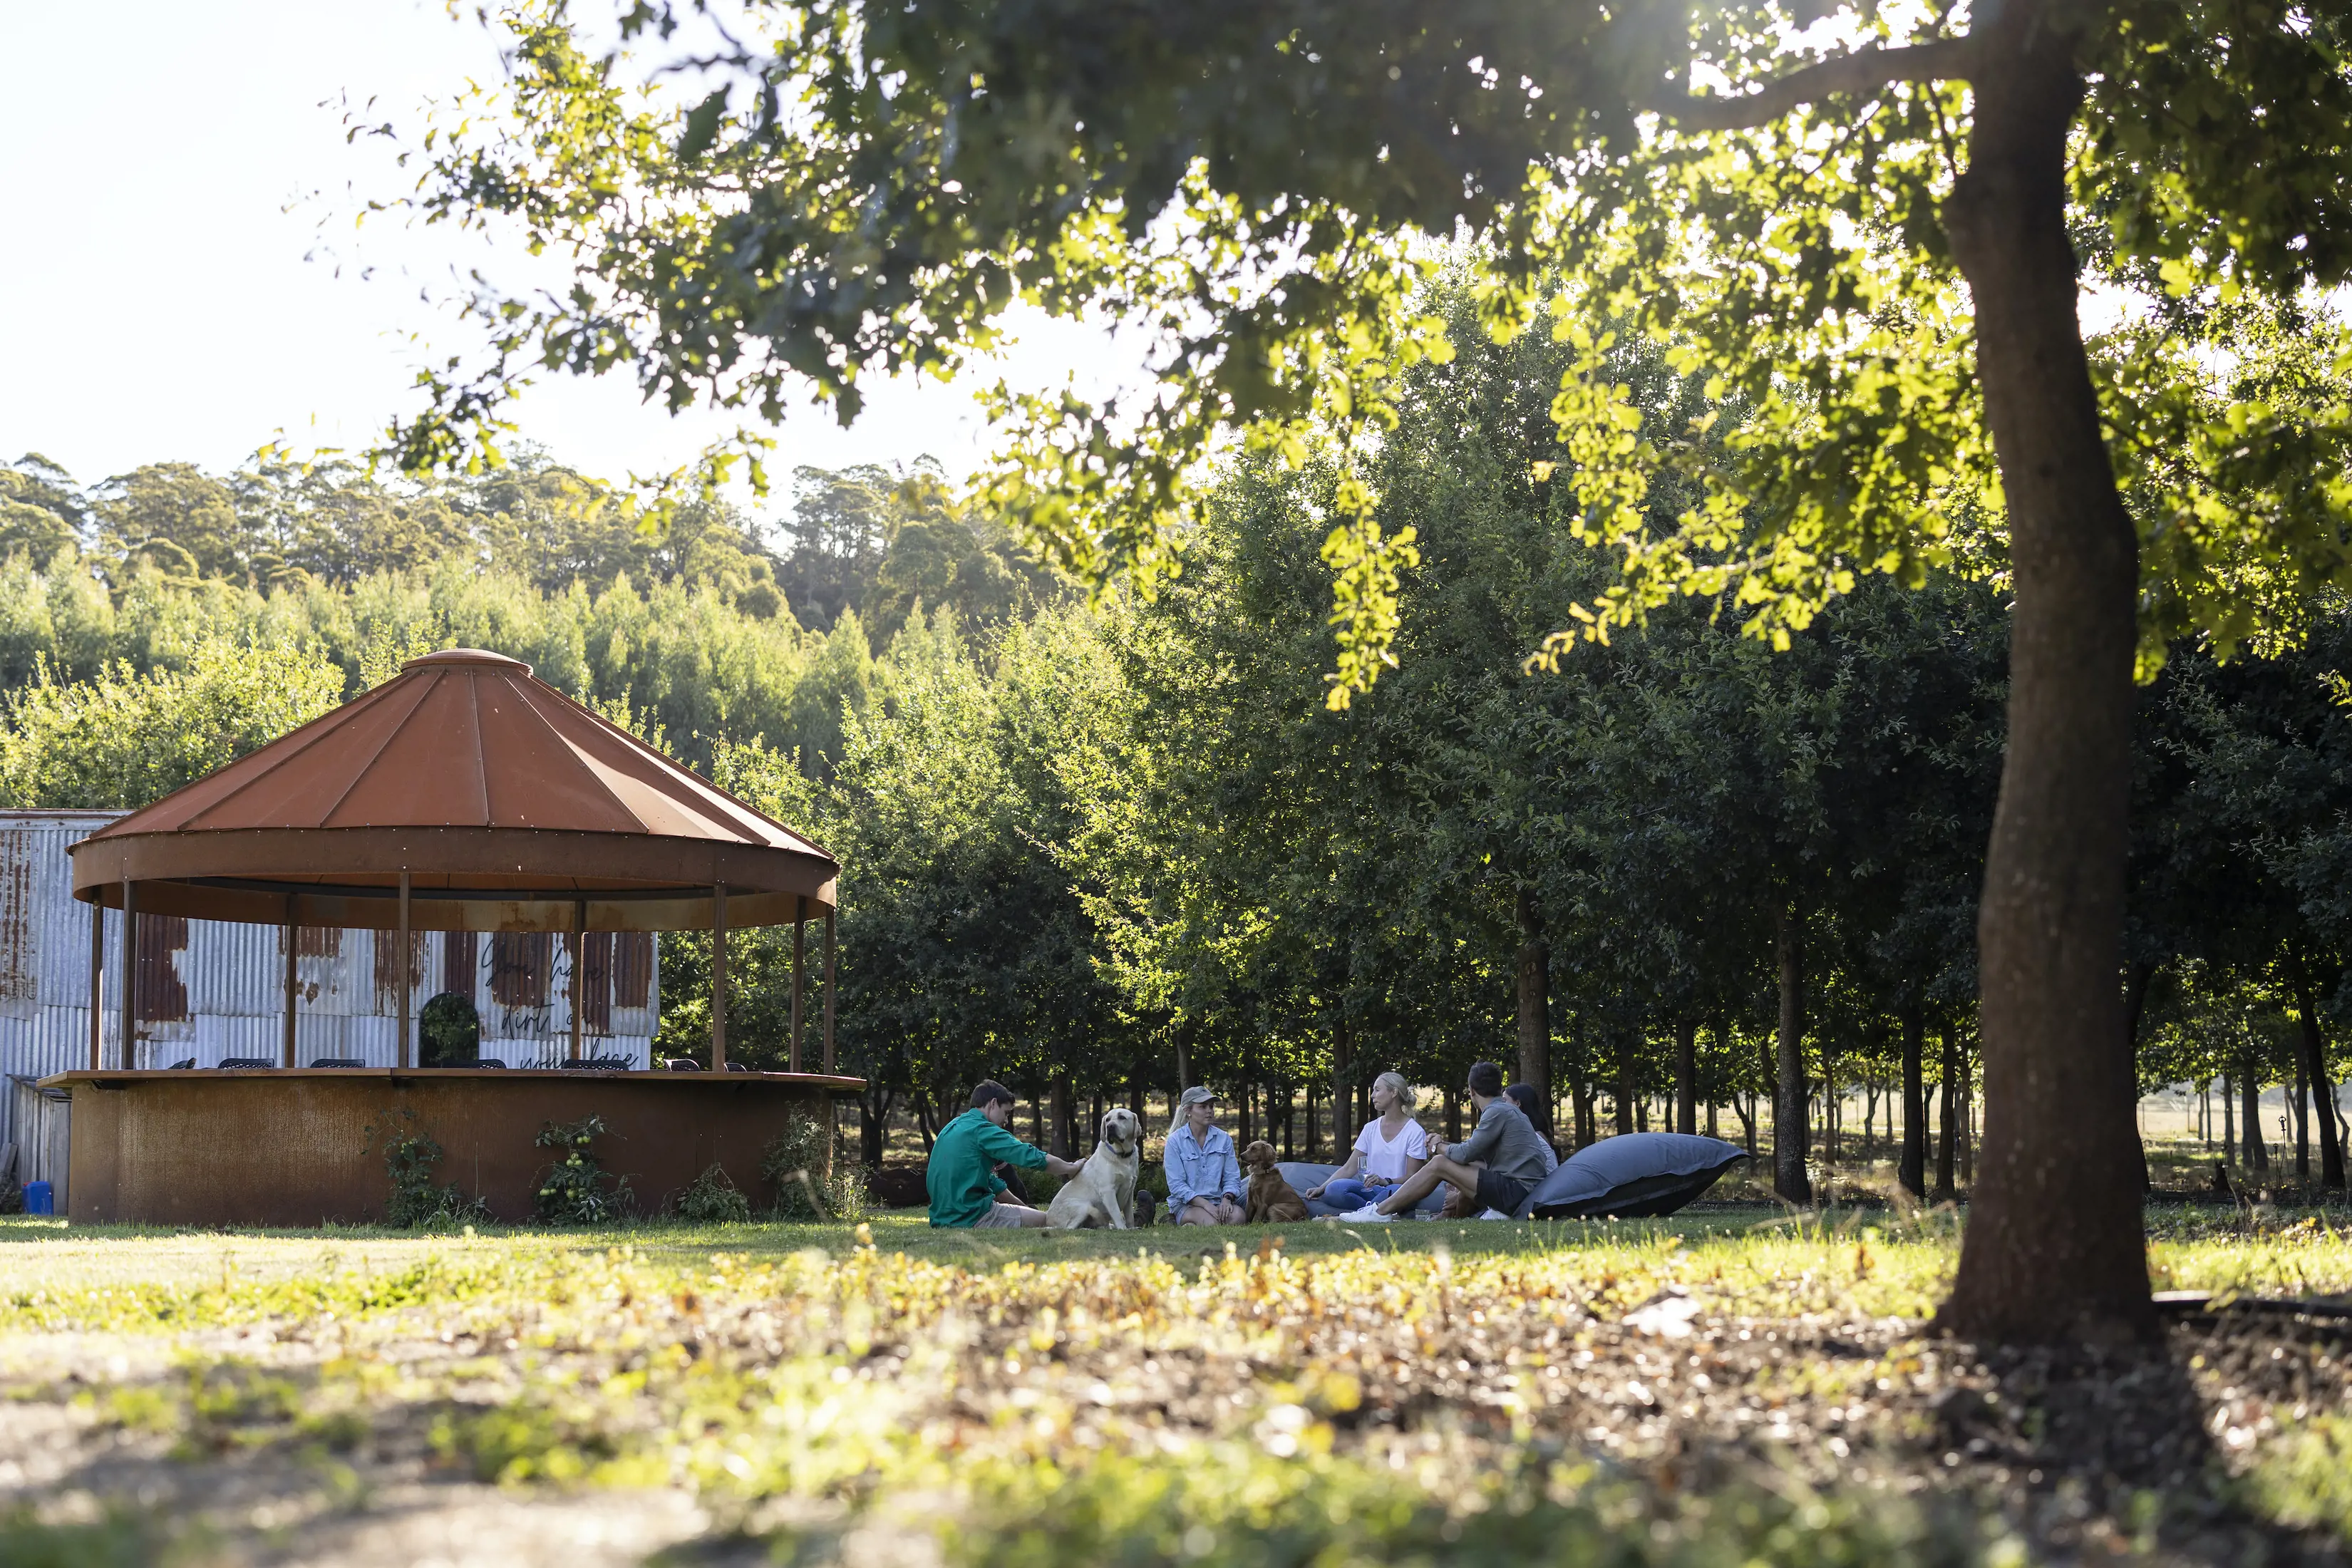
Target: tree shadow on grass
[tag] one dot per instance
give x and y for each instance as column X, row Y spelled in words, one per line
column 2102, row 1449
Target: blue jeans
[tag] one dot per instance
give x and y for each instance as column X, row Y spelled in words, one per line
column 1352, row 1193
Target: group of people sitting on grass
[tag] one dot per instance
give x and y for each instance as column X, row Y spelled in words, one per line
column 1392, row 1167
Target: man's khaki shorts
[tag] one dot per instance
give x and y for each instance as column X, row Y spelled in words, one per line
column 1003, row 1216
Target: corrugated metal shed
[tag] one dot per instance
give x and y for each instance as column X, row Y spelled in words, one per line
column 40, row 1118
column 210, row 989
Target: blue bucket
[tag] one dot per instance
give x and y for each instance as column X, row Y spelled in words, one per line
column 39, row 1198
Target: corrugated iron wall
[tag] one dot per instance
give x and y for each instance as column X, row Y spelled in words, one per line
column 207, row 990
column 40, row 1120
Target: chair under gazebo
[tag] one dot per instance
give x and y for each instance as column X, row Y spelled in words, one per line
column 464, row 796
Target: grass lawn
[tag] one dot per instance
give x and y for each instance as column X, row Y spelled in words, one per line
column 1731, row 1385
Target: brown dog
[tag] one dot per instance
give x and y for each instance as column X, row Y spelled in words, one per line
column 1272, row 1200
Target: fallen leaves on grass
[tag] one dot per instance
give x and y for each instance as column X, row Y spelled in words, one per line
column 1624, row 1397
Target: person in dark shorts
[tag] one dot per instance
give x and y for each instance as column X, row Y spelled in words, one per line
column 1495, row 1167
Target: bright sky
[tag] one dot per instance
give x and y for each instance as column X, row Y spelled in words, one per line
column 168, row 168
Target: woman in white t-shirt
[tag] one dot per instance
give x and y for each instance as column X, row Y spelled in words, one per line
column 1389, row 1148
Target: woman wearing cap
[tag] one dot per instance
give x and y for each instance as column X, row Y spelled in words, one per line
column 1204, row 1176
column 1392, row 1147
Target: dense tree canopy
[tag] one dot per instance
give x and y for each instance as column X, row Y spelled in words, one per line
column 1867, row 226
column 1094, row 848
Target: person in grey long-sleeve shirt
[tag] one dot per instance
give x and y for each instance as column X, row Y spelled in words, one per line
column 1506, row 1150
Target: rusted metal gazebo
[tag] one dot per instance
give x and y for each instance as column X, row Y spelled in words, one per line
column 462, row 795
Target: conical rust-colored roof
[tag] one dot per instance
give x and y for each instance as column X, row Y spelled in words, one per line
column 510, row 805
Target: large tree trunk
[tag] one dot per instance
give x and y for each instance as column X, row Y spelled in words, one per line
column 873, row 1125
column 1535, row 1007
column 2054, row 1247
column 2315, row 1068
column 1624, row 1088
column 1686, row 1076
column 1792, row 1134
column 1911, row 1170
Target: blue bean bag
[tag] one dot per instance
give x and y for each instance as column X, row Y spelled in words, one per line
column 1301, row 1176
column 1633, row 1176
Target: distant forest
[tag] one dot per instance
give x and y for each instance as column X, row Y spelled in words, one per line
column 715, row 626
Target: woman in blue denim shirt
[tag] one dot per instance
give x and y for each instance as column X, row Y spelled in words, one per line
column 1204, row 1176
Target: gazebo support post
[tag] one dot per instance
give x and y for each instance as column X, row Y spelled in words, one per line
column 718, row 977
column 130, row 1026
column 579, row 946
column 97, row 980
column 291, row 932
column 828, row 990
column 401, row 1056
column 800, row 950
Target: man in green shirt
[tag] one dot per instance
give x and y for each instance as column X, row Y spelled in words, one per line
column 966, row 1192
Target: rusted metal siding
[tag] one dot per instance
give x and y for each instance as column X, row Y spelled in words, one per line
column 45, row 962
column 521, row 963
column 42, row 1133
column 19, row 970
column 209, row 990
column 163, row 952
column 387, row 969
column 292, row 1148
column 634, row 971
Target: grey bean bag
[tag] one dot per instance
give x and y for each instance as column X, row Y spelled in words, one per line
column 1633, row 1176
column 1301, row 1175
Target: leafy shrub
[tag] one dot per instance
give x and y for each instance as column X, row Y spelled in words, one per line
column 409, row 1161
column 577, row 1189
column 809, row 1184
column 711, row 1198
column 1037, row 1188
column 845, row 1194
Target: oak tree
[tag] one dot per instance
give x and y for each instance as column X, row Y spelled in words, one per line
column 1872, row 223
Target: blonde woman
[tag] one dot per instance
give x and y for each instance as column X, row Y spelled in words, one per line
column 1390, row 1148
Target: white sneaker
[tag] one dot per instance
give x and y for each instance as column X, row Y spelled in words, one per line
column 1368, row 1214
column 1494, row 1213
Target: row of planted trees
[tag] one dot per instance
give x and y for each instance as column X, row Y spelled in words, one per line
column 1102, row 851
column 1109, row 850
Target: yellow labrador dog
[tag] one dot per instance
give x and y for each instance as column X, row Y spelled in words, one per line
column 1103, row 1192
